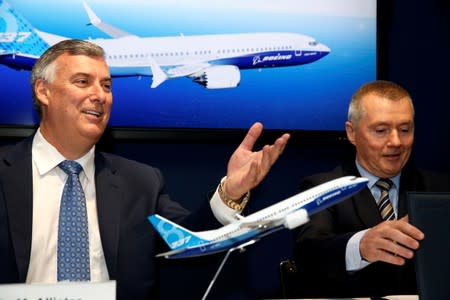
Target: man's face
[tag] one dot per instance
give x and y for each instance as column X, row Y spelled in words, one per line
column 384, row 136
column 77, row 103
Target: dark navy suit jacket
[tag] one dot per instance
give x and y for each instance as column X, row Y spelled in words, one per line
column 321, row 243
column 127, row 193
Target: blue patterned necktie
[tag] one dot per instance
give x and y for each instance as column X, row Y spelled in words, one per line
column 73, row 237
column 384, row 204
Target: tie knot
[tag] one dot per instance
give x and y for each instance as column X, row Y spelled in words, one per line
column 70, row 167
column 384, row 184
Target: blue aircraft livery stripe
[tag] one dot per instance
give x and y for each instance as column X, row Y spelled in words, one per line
column 17, row 36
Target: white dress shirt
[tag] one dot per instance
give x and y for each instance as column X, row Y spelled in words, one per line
column 48, row 184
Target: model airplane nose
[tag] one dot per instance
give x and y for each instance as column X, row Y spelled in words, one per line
column 323, row 48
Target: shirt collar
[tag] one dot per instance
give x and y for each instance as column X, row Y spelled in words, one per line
column 46, row 157
column 373, row 179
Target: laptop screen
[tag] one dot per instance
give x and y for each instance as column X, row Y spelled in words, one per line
column 430, row 212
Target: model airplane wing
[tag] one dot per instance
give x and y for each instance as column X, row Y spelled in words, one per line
column 170, row 253
column 290, row 221
column 261, row 224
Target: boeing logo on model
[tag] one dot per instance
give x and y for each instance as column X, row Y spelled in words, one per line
column 289, row 213
column 326, row 197
column 213, row 61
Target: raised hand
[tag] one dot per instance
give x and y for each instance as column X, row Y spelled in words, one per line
column 247, row 168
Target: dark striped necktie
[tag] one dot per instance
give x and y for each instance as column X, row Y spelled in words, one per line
column 384, row 204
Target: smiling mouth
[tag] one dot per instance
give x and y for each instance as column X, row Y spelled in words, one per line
column 93, row 113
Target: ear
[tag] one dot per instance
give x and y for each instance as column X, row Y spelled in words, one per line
column 350, row 130
column 41, row 90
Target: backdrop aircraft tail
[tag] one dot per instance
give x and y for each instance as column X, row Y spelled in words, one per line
column 20, row 43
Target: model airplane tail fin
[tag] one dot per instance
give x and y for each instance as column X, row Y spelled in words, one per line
column 175, row 236
column 17, row 36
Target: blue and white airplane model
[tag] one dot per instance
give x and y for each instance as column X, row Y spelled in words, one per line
column 289, row 213
column 213, row 61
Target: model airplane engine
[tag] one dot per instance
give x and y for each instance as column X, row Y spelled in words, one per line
column 296, row 219
column 218, row 77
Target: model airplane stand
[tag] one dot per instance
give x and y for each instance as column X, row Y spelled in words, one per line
column 241, row 248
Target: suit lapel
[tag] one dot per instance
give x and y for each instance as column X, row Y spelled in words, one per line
column 363, row 202
column 18, row 193
column 109, row 196
column 366, row 208
column 365, row 205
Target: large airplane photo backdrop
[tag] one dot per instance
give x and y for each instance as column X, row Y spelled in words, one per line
column 290, row 64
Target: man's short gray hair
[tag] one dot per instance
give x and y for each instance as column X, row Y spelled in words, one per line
column 381, row 88
column 45, row 68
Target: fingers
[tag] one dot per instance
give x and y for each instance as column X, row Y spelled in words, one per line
column 247, row 168
column 390, row 257
column 274, row 151
column 270, row 153
column 252, row 135
column 410, row 230
column 391, row 242
column 255, row 132
column 395, row 252
column 281, row 142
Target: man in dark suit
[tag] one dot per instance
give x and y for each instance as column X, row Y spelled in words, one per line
column 348, row 250
column 71, row 88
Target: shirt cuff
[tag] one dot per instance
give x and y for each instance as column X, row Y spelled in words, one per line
column 223, row 213
column 353, row 259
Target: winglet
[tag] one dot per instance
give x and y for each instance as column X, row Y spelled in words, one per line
column 106, row 28
column 91, row 14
